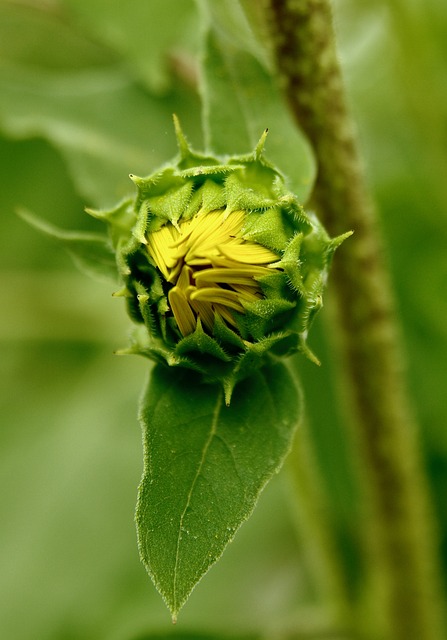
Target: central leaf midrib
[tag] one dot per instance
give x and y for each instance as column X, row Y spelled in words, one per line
column 214, row 422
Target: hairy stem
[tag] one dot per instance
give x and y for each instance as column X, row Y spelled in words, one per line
column 398, row 523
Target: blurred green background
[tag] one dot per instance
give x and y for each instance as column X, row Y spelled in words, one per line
column 87, row 91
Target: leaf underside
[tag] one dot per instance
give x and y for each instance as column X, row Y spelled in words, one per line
column 205, row 466
column 91, row 252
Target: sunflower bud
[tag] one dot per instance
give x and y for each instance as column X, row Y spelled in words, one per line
column 222, row 267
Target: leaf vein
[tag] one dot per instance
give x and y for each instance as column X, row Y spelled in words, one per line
column 214, row 422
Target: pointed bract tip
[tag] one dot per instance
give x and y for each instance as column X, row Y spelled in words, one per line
column 311, row 356
column 128, row 351
column 174, row 618
column 137, row 180
column 260, row 146
column 122, row 293
column 338, row 240
column 182, row 142
column 228, row 388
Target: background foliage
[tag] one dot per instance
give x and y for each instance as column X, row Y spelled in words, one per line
column 87, row 90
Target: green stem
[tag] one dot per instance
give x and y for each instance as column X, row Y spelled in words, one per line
column 398, row 524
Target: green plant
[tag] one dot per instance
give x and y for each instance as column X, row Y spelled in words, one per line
column 220, row 419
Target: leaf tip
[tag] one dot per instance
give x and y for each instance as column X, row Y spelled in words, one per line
column 99, row 215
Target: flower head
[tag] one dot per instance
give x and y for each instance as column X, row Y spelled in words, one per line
column 222, row 267
column 213, row 270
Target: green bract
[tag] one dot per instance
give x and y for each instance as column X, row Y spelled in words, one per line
column 222, row 267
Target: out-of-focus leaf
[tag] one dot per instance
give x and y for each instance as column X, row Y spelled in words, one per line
column 241, row 99
column 39, row 36
column 205, row 465
column 230, row 20
column 34, row 177
column 104, row 124
column 92, row 252
column 149, row 35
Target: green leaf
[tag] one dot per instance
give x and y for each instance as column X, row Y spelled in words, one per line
column 234, row 22
column 205, row 466
column 104, row 125
column 241, row 99
column 103, row 122
column 91, row 252
column 150, row 36
column 47, row 40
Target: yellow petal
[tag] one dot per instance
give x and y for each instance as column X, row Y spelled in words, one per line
column 183, row 314
column 242, row 275
column 216, row 295
column 248, row 253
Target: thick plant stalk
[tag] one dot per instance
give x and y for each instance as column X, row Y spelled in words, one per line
column 403, row 581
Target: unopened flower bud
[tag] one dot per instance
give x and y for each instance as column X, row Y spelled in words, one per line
column 222, row 267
